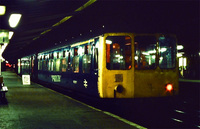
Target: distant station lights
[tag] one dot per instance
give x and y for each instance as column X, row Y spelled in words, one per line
column 14, row 20
column 2, row 9
column 180, row 47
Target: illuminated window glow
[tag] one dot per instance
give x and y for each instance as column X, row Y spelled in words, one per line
column 179, row 47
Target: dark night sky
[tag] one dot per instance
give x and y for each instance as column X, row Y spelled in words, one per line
column 176, row 17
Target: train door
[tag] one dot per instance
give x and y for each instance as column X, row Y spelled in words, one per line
column 116, row 75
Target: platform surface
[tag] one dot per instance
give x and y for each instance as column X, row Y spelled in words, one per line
column 37, row 107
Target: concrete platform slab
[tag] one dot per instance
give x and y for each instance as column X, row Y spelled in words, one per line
column 36, row 107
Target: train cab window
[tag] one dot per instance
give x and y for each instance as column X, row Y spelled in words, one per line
column 86, row 59
column 167, row 52
column 118, row 53
column 145, row 52
column 76, row 61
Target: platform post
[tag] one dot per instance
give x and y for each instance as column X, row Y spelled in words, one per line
column 4, row 39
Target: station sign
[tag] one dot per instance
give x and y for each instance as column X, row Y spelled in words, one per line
column 4, row 36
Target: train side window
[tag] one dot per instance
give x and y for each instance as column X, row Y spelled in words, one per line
column 76, row 61
column 86, row 60
column 44, row 65
column 54, row 65
column 40, row 64
column 57, row 62
column 68, row 61
column 167, row 52
column 51, row 65
column 76, row 64
column 64, row 65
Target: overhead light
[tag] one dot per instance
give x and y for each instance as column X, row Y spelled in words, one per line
column 14, row 20
column 179, row 47
column 2, row 9
column 10, row 34
column 4, row 36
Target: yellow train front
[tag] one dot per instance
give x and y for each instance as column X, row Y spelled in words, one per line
column 137, row 65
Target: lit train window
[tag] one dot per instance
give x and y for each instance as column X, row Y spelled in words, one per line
column 86, row 63
column 75, row 51
column 54, row 65
column 64, row 65
column 145, row 52
column 118, row 52
column 76, row 64
column 86, row 59
column 76, row 61
column 50, row 65
column 167, row 52
column 57, row 67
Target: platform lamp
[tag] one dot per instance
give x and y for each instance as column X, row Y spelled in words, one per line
column 4, row 40
column 5, row 34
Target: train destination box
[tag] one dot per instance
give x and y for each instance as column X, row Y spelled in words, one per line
column 26, row 79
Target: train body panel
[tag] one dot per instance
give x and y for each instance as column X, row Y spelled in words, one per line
column 113, row 65
column 147, row 86
column 115, row 83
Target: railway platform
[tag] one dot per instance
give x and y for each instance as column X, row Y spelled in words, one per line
column 37, row 107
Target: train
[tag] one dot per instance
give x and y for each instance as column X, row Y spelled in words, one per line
column 111, row 65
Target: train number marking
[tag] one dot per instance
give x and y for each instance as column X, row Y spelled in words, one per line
column 56, row 78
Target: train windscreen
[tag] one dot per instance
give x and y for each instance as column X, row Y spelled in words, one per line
column 167, row 52
column 145, row 52
column 118, row 53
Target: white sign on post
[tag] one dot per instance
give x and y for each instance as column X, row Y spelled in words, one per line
column 4, row 36
column 26, row 79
